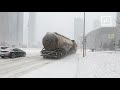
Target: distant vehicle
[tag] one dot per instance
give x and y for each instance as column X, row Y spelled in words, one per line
column 2, row 47
column 12, row 53
column 57, row 46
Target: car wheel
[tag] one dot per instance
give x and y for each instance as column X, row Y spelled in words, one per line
column 13, row 55
column 2, row 57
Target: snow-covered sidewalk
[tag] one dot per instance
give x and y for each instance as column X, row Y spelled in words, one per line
column 100, row 65
column 94, row 65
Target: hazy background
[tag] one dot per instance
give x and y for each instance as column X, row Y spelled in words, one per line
column 63, row 22
column 28, row 28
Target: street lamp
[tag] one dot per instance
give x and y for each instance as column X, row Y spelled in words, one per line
column 84, row 39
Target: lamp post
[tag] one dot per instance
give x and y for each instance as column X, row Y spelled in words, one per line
column 85, row 45
column 84, row 41
column 115, row 39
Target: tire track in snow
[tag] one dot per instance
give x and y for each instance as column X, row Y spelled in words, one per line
column 22, row 71
column 16, row 61
column 18, row 67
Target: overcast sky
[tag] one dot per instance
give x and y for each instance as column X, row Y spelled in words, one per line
column 63, row 22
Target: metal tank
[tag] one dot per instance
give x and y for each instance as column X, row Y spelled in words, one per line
column 53, row 41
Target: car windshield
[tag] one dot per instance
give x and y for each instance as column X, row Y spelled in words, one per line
column 15, row 49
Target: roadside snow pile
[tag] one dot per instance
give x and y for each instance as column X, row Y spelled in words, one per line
column 100, row 65
column 31, row 51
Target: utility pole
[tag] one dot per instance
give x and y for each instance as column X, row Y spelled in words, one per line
column 115, row 40
column 85, row 45
column 84, row 37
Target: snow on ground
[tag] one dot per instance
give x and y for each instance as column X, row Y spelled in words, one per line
column 63, row 68
column 100, row 65
column 12, row 68
column 31, row 51
column 94, row 65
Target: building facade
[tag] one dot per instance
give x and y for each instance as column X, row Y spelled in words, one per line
column 18, row 29
column 3, row 27
column 11, row 28
column 102, row 38
column 32, row 30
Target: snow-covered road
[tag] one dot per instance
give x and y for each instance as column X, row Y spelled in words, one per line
column 17, row 67
column 11, row 68
column 95, row 65
column 62, row 68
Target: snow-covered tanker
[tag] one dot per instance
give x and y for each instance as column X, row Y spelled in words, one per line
column 57, row 46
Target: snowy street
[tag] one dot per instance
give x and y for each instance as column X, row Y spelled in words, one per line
column 95, row 65
column 11, row 68
column 63, row 68
column 27, row 37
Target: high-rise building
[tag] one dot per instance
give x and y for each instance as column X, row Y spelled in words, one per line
column 32, row 29
column 78, row 31
column 3, row 27
column 18, row 29
column 11, row 28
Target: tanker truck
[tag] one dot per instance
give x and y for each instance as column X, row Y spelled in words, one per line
column 57, row 46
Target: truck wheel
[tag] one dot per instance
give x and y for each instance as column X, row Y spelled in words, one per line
column 59, row 55
column 24, row 55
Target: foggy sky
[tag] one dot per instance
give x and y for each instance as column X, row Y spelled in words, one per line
column 63, row 22
column 60, row 22
column 92, row 16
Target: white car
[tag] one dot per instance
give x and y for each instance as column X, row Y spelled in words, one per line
column 1, row 48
